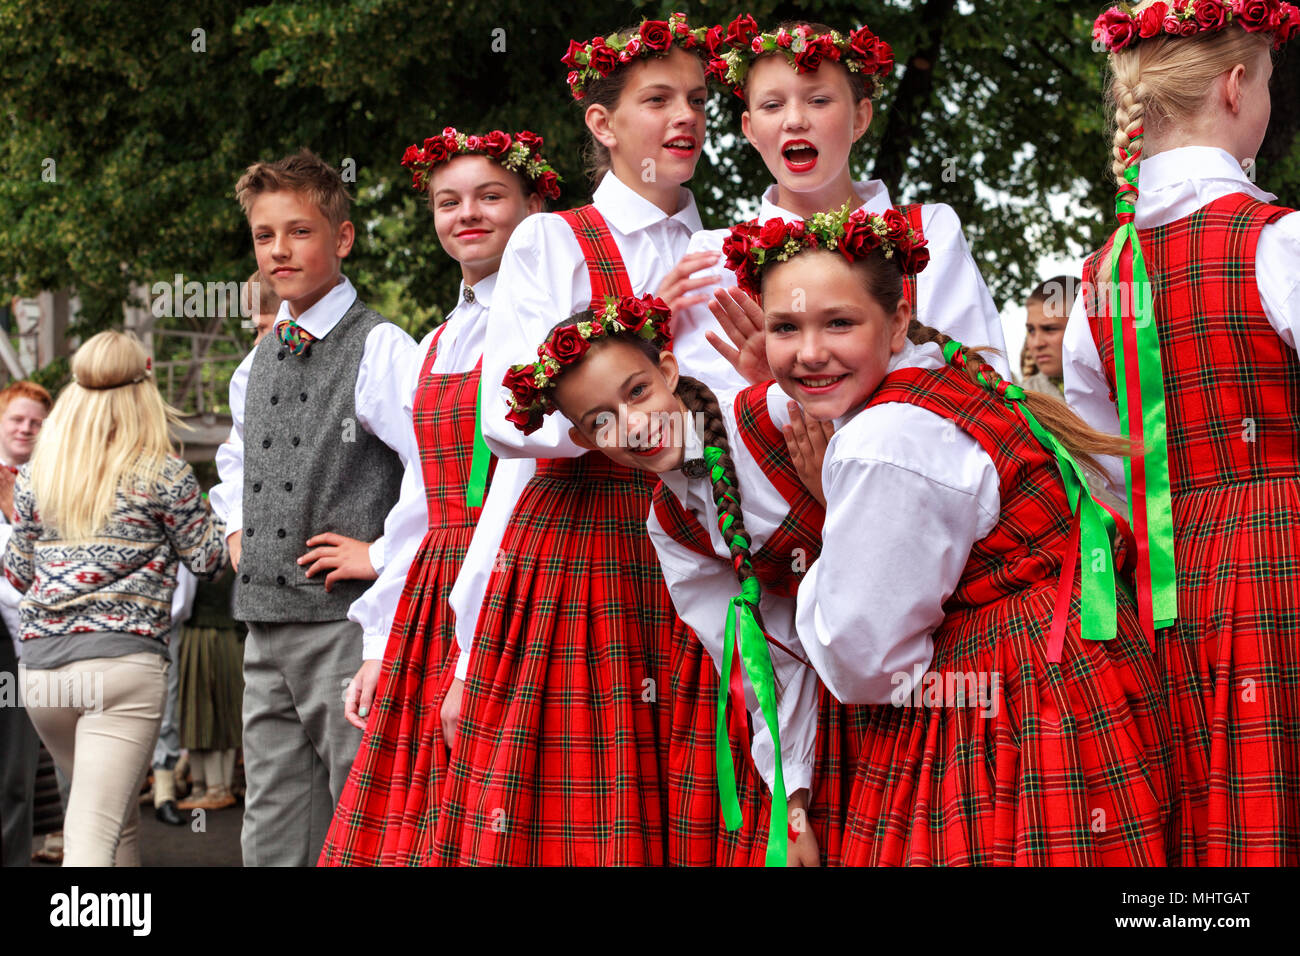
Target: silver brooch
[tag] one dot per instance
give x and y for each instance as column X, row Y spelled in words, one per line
column 469, row 294
column 695, row 468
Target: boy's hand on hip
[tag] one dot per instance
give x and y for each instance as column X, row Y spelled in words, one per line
column 346, row 559
column 235, row 545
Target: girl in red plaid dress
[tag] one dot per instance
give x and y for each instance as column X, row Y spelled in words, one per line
column 1204, row 371
column 480, row 188
column 559, row 754
column 1019, row 717
column 807, row 108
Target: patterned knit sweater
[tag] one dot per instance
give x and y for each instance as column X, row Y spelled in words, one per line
column 120, row 581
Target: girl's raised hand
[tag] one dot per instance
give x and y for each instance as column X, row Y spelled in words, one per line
column 803, row 849
column 742, row 320
column 678, row 285
column 806, row 439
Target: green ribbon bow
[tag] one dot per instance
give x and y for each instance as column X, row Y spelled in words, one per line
column 1140, row 389
column 1097, row 530
column 762, row 677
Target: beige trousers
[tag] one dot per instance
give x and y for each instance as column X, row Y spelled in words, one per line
column 99, row 719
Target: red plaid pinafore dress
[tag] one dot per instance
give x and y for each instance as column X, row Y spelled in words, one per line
column 696, row 833
column 558, row 756
column 1055, row 764
column 387, row 813
column 1231, row 662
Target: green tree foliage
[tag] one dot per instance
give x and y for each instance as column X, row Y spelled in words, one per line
column 994, row 108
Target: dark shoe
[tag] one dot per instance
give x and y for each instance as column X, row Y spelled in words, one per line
column 168, row 813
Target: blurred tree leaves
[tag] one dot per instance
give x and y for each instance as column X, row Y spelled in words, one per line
column 994, row 107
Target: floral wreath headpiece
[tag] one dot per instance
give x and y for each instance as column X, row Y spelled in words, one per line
column 1120, row 27
column 861, row 51
column 751, row 248
column 531, row 385
column 601, row 56
column 520, row 153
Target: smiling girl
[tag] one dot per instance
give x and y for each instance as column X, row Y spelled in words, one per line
column 479, row 188
column 557, row 755
column 950, row 559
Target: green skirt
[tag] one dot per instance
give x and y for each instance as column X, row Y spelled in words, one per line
column 212, row 687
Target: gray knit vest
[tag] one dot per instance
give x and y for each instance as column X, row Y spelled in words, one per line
column 309, row 467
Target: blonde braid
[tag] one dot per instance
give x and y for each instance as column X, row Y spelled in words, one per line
column 1129, row 95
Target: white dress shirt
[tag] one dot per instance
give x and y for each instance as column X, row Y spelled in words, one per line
column 908, row 495
column 702, row 588
column 10, row 598
column 378, row 398
column 460, row 346
column 542, row 281
column 1171, row 186
column 950, row 291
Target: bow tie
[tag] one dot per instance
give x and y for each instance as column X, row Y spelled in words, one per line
column 295, row 338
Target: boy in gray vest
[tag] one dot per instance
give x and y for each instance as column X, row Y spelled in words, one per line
column 318, row 445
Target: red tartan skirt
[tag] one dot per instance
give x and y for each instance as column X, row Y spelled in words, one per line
column 696, row 834
column 1046, row 765
column 560, row 751
column 840, row 729
column 1231, row 665
column 388, row 810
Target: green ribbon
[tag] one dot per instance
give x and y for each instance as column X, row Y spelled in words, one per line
column 762, row 677
column 478, row 469
column 1151, row 510
column 1097, row 530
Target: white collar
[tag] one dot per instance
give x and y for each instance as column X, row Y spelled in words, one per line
column 482, row 291
column 873, row 193
column 929, row 355
column 628, row 211
column 320, row 319
column 1177, row 177
column 675, row 480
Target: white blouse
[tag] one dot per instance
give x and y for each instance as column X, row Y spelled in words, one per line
column 908, row 495
column 950, row 291
column 702, row 588
column 1173, row 185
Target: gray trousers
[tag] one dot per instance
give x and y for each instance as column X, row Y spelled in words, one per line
column 19, row 750
column 168, row 748
column 298, row 746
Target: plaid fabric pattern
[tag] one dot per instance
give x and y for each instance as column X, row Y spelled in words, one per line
column 912, row 211
column 388, row 809
column 1049, row 764
column 1231, row 663
column 562, row 748
column 604, row 262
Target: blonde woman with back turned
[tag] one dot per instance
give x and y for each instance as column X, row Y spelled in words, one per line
column 104, row 512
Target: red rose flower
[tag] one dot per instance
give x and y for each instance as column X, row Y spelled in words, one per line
column 884, row 57
column 859, row 240
column 604, row 58
column 1255, row 15
column 572, row 79
column 548, row 185
column 797, row 230
column 523, row 387
column 1211, row 14
column 741, row 30
column 1115, row 28
column 526, row 422
column 862, row 43
column 656, row 35
column 1188, row 28
column 474, row 144
column 531, row 140
column 717, row 69
column 896, row 225
column 784, row 39
column 633, row 313
column 436, row 150
column 1151, row 20
column 713, row 39
column 411, row 155
column 916, row 259
column 566, row 345
column 570, row 59
column 829, row 51
column 496, row 143
column 772, row 234
column 808, row 60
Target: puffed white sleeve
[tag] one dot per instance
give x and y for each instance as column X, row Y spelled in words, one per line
column 951, row 293
column 907, row 498
column 1087, row 391
column 534, row 292
column 1277, row 273
column 695, row 354
column 509, row 479
column 701, row 588
column 227, row 496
